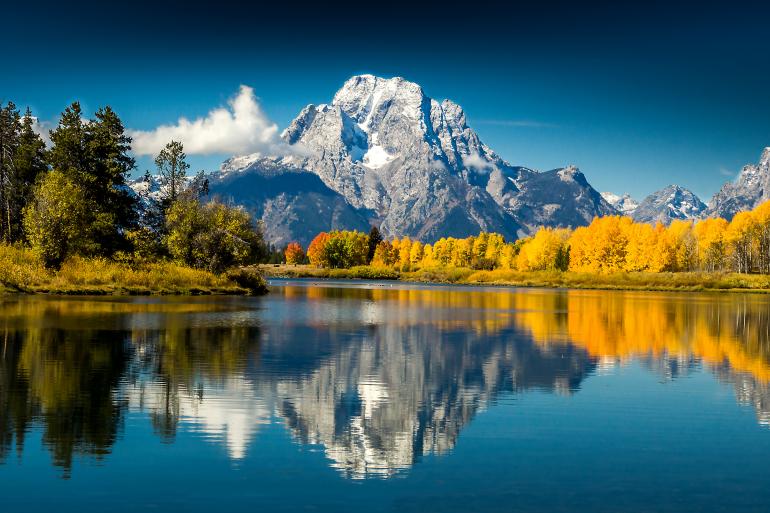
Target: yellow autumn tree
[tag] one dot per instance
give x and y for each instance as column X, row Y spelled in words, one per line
column 712, row 249
column 740, row 240
column 761, row 216
column 507, row 258
column 427, row 256
column 404, row 251
column 495, row 243
column 416, row 253
column 480, row 247
column 463, row 252
column 642, row 240
column 385, row 255
column 547, row 250
column 600, row 247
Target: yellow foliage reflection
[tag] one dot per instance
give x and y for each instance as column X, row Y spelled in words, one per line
column 718, row 329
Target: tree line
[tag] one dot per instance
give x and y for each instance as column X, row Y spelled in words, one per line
column 609, row 244
column 75, row 199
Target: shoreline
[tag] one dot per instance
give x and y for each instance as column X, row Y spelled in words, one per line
column 653, row 282
column 100, row 277
column 110, row 290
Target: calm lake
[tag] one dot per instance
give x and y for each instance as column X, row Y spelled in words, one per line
column 331, row 396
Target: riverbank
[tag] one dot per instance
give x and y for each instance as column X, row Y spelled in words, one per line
column 22, row 272
column 549, row 279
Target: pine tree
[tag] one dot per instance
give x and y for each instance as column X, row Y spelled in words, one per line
column 10, row 126
column 375, row 237
column 69, row 153
column 95, row 155
column 29, row 164
column 172, row 168
column 111, row 165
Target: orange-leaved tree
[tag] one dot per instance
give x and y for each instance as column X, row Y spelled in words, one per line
column 294, row 253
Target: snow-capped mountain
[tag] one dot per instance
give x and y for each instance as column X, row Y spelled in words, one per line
column 413, row 166
column 751, row 188
column 666, row 205
column 624, row 204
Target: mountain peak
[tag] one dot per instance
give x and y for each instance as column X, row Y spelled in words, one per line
column 764, row 159
column 413, row 166
column 624, row 203
column 365, row 98
column 670, row 203
column 751, row 187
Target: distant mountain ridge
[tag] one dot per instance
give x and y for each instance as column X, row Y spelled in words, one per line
column 624, row 204
column 383, row 153
column 751, row 188
column 669, row 204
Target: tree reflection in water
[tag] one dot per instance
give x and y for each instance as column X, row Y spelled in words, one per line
column 379, row 377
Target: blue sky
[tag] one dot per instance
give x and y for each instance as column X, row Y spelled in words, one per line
column 637, row 96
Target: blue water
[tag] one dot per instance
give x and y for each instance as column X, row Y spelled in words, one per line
column 384, row 397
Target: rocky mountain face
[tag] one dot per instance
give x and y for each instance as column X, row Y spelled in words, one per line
column 411, row 165
column 750, row 189
column 293, row 204
column 624, row 204
column 668, row 204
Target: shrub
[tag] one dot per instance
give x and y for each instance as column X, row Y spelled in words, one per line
column 57, row 221
column 213, row 236
column 249, row 279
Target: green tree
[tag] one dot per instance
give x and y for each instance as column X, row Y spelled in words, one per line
column 213, row 236
column 10, row 126
column 95, row 155
column 111, row 165
column 29, row 164
column 172, row 168
column 57, row 220
column 69, row 152
column 375, row 237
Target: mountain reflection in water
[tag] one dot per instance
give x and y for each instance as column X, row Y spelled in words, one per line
column 377, row 375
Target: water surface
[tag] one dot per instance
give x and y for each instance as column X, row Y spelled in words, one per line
column 332, row 396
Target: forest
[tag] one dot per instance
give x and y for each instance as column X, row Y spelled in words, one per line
column 610, row 244
column 69, row 220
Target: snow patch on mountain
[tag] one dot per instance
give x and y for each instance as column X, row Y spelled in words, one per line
column 624, row 204
column 669, row 204
column 751, row 188
column 376, row 157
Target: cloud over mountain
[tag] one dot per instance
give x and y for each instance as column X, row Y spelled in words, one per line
column 240, row 127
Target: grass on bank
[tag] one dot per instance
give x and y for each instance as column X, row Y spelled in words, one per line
column 22, row 271
column 694, row 281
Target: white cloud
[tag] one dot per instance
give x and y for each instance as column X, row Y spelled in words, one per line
column 726, row 172
column 241, row 127
column 43, row 129
column 477, row 162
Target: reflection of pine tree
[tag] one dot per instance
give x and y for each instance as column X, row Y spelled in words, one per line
column 180, row 359
column 73, row 376
column 17, row 410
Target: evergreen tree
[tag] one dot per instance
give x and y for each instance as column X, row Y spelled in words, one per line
column 10, row 126
column 95, row 155
column 111, row 165
column 375, row 237
column 69, row 153
column 172, row 168
column 29, row 164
